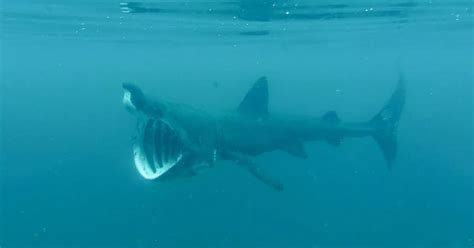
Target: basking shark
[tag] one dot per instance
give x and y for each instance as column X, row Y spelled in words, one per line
column 176, row 140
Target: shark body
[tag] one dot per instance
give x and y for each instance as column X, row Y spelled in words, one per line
column 175, row 140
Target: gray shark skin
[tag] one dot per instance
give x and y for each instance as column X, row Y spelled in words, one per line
column 175, row 140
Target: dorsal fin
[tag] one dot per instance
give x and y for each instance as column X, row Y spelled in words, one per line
column 331, row 117
column 255, row 103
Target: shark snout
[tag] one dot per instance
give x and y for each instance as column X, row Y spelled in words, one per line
column 133, row 97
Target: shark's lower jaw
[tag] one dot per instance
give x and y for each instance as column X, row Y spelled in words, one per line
column 157, row 148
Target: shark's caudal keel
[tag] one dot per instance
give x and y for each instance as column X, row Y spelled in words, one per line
column 175, row 140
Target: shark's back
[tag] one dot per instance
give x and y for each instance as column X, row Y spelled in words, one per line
column 251, row 129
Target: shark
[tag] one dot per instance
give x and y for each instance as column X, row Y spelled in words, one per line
column 176, row 140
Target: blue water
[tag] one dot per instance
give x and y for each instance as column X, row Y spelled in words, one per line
column 66, row 168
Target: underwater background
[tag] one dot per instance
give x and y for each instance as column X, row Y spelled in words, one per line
column 66, row 169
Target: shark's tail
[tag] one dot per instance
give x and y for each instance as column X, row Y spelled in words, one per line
column 386, row 121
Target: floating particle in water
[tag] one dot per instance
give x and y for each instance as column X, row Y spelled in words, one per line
column 430, row 92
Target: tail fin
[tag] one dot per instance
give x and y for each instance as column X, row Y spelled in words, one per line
column 386, row 122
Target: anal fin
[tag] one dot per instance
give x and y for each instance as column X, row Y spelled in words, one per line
column 295, row 148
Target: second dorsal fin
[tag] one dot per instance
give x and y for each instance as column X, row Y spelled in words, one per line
column 331, row 117
column 255, row 103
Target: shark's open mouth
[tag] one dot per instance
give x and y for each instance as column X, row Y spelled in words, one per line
column 157, row 148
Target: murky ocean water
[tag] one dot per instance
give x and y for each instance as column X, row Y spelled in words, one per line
column 67, row 174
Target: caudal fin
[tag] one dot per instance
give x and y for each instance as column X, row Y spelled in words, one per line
column 386, row 121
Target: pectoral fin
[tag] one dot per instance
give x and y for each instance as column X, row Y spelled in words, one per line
column 256, row 171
